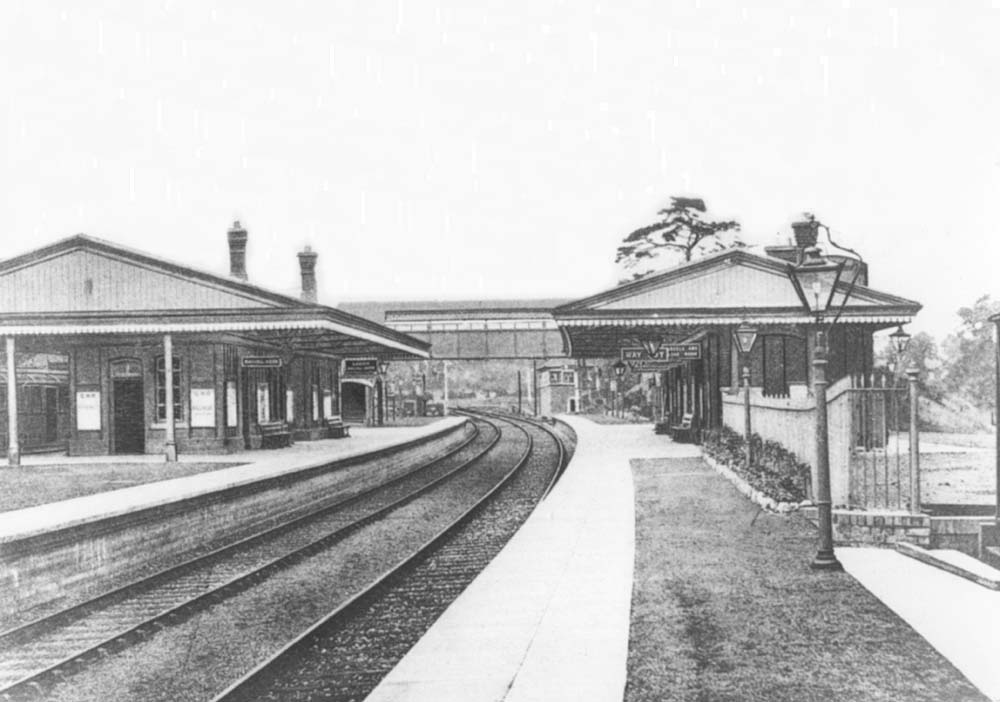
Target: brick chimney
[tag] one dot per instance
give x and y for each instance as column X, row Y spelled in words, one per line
column 307, row 264
column 237, row 236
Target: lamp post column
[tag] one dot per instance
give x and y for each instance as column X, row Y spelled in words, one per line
column 825, row 558
column 747, row 432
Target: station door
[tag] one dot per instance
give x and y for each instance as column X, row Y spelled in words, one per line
column 354, row 403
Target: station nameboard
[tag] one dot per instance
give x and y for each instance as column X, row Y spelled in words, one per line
column 648, row 366
column 261, row 361
column 666, row 352
column 361, row 366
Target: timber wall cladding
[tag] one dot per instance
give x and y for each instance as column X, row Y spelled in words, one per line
column 82, row 281
column 94, row 556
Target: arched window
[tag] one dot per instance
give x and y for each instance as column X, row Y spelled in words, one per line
column 161, row 390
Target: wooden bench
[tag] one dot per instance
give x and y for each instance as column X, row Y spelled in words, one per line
column 683, row 433
column 337, row 429
column 274, row 435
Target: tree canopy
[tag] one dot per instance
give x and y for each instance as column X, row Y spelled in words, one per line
column 683, row 229
column 970, row 368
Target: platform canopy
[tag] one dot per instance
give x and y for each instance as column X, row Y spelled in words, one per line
column 86, row 287
column 729, row 288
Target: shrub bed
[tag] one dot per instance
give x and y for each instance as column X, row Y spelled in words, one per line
column 775, row 471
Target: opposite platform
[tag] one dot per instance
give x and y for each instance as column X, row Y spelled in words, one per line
column 256, row 465
column 548, row 619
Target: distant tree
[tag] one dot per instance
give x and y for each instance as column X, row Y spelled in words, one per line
column 681, row 229
column 970, row 354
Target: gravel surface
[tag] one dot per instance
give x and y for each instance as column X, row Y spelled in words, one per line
column 725, row 607
column 198, row 658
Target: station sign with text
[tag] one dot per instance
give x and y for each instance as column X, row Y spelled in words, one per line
column 261, row 361
column 361, row 366
column 667, row 353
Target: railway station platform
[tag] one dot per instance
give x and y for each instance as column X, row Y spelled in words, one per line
column 61, row 550
column 253, row 465
column 549, row 618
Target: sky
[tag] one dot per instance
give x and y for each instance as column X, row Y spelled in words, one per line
column 473, row 150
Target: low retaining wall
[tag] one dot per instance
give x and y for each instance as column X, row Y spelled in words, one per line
column 875, row 529
column 92, row 555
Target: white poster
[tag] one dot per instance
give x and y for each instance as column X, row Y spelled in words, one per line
column 263, row 403
column 88, row 410
column 232, row 412
column 289, row 405
column 202, row 407
column 327, row 403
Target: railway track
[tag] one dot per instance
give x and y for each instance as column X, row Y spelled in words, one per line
column 344, row 654
column 36, row 655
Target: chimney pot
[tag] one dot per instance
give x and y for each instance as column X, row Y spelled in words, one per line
column 237, row 236
column 307, row 266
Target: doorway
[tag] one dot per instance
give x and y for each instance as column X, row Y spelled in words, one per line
column 51, row 415
column 354, row 398
column 128, row 417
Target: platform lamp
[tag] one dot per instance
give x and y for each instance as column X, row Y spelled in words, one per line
column 815, row 279
column 746, row 336
column 900, row 340
column 619, row 368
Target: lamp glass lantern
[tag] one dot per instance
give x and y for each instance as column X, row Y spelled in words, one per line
column 383, row 367
column 619, row 367
column 815, row 280
column 900, row 340
column 746, row 335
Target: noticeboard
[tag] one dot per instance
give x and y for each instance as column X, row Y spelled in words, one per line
column 88, row 410
column 202, row 407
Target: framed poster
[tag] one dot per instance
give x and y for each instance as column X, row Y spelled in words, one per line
column 202, row 407
column 289, row 405
column 232, row 411
column 327, row 403
column 88, row 410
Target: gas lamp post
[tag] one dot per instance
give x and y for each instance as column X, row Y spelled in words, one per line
column 746, row 335
column 815, row 279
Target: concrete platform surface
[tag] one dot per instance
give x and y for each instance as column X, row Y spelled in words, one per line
column 956, row 616
column 549, row 618
column 257, row 464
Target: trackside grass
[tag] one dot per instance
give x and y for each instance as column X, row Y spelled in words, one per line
column 725, row 607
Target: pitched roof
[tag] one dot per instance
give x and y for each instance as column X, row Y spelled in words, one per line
column 734, row 283
column 87, row 285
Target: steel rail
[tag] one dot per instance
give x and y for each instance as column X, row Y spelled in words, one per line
column 251, row 685
column 31, row 682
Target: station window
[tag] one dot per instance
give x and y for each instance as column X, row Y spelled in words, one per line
column 554, row 377
column 568, row 377
column 161, row 390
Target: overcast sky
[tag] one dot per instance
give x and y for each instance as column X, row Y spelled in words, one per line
column 503, row 149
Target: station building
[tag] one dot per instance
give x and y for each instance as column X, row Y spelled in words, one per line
column 673, row 334
column 108, row 350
